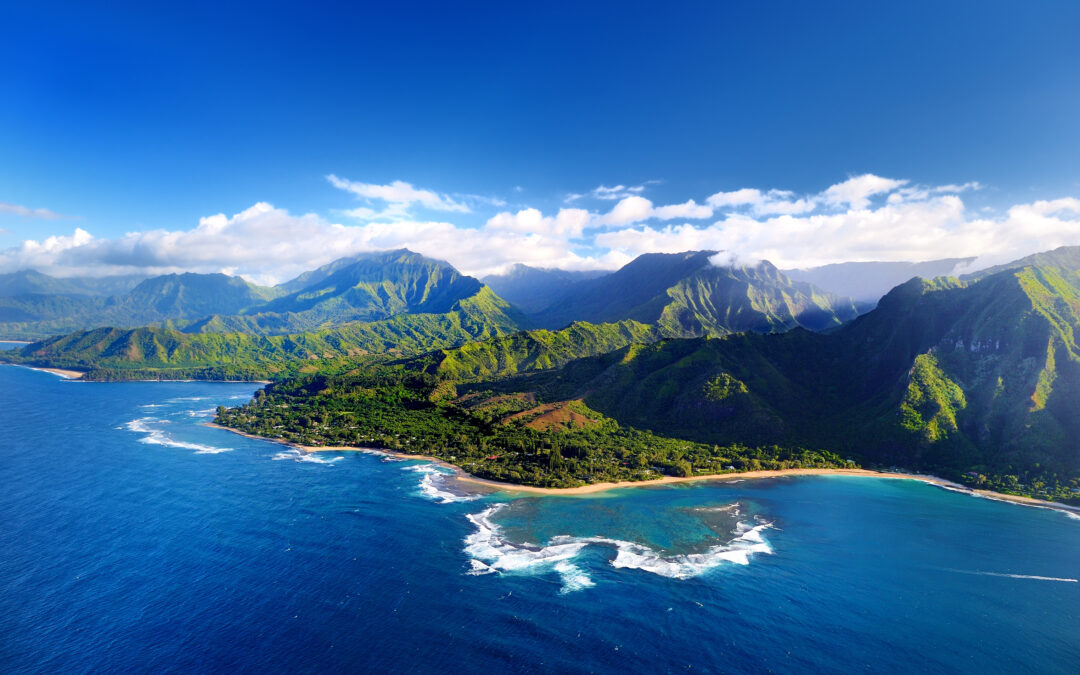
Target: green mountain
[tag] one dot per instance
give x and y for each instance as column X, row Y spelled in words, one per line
column 370, row 287
column 31, row 282
column 975, row 380
column 534, row 289
column 867, row 282
column 163, row 352
column 687, row 295
column 1063, row 257
column 168, row 297
column 942, row 375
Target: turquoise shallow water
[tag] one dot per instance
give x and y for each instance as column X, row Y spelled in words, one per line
column 135, row 538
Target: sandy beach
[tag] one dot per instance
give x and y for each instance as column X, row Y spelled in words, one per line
column 466, row 477
column 66, row 374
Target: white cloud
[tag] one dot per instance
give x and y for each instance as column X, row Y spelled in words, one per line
column 856, row 191
column 762, row 203
column 399, row 195
column 267, row 244
column 568, row 223
column 743, row 197
column 27, row 212
column 635, row 209
column 908, row 231
column 610, row 193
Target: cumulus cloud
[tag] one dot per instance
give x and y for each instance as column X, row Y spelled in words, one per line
column 609, row 193
column 860, row 219
column 397, row 196
column 761, row 203
column 856, row 191
column 635, row 209
column 268, row 245
column 27, row 212
column 907, row 231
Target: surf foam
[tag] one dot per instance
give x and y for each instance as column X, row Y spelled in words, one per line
column 158, row 437
column 491, row 552
column 298, row 456
column 432, row 481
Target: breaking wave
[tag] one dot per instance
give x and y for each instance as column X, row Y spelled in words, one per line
column 433, row 482
column 158, row 437
column 300, row 456
column 491, row 552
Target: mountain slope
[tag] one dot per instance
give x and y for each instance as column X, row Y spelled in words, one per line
column 689, row 296
column 161, row 352
column 169, row 297
column 534, row 289
column 867, row 282
column 941, row 374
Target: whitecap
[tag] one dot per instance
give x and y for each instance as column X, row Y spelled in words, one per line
column 159, row 437
column 433, row 480
column 488, row 547
column 1072, row 514
column 300, row 456
column 494, row 554
column 573, row 577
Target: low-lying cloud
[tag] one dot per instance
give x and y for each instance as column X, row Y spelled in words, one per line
column 862, row 218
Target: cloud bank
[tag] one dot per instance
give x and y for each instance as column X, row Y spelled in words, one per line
column 862, row 218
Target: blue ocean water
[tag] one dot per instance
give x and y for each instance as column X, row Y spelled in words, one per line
column 133, row 538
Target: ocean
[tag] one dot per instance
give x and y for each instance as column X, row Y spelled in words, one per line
column 136, row 539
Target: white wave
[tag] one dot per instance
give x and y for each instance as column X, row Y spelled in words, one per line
column 300, row 456
column 432, row 481
column 495, row 554
column 492, row 553
column 206, row 412
column 573, row 578
column 1072, row 514
column 159, row 437
column 152, row 405
column 1017, row 576
column 182, row 399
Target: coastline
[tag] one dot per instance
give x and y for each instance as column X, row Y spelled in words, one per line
column 466, row 477
column 66, row 374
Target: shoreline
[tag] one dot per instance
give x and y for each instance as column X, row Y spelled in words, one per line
column 78, row 375
column 466, row 477
column 64, row 373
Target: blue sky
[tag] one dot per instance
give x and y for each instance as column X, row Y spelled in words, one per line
column 137, row 118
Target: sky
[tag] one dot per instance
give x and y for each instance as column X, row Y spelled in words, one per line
column 266, row 139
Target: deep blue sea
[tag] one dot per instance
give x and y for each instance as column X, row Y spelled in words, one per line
column 135, row 539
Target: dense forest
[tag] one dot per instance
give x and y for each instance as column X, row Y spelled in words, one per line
column 487, row 435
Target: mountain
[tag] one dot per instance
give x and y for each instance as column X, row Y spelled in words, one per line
column 376, row 286
column 370, row 287
column 1063, row 257
column 942, row 375
column 188, row 296
column 866, row 282
column 27, row 282
column 534, row 289
column 165, row 353
column 169, row 297
column 31, row 282
column 688, row 295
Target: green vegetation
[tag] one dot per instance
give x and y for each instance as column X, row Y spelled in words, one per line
column 165, row 353
column 686, row 295
column 402, row 410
